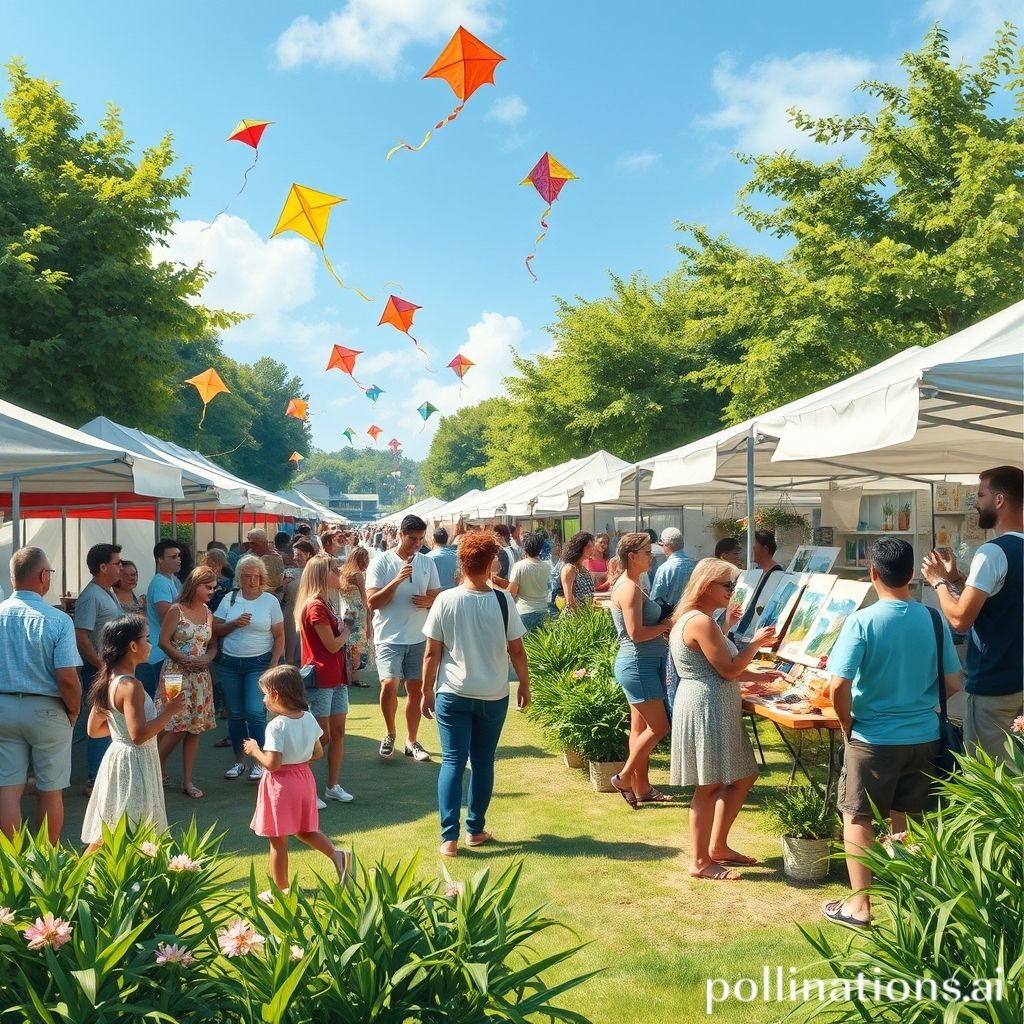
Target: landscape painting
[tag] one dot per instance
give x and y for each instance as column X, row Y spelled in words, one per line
column 780, row 605
column 813, row 559
column 746, row 584
column 811, row 602
column 843, row 600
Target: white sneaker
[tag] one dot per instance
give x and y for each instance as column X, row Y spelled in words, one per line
column 339, row 794
column 255, row 773
column 320, row 805
column 235, row 770
column 416, row 752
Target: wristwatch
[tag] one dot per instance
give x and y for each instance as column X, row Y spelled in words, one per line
column 939, row 583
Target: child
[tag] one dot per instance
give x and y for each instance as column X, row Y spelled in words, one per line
column 129, row 779
column 286, row 802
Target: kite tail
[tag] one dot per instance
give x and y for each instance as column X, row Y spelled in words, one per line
column 245, row 181
column 537, row 241
column 334, row 274
column 202, row 418
column 426, row 138
column 423, row 352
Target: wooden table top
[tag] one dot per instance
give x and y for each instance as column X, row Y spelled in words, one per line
column 763, row 708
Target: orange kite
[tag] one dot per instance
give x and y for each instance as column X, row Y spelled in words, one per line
column 460, row 366
column 209, row 385
column 297, row 408
column 375, row 432
column 465, row 64
column 344, row 359
column 295, row 457
column 399, row 314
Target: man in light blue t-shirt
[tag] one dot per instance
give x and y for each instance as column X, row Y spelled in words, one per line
column 162, row 592
column 884, row 687
column 445, row 558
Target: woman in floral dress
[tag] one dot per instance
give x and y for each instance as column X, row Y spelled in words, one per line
column 186, row 637
column 353, row 605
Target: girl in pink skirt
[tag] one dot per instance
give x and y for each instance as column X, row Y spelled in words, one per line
column 286, row 802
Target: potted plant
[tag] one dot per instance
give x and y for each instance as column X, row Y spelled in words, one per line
column 808, row 824
column 904, row 520
column 725, row 528
column 778, row 519
column 888, row 511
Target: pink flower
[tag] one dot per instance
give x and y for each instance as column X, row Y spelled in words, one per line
column 580, row 673
column 172, row 953
column 182, row 862
column 890, row 842
column 239, row 939
column 1018, row 724
column 6, row 915
column 48, row 931
column 454, row 889
column 149, row 849
column 297, row 952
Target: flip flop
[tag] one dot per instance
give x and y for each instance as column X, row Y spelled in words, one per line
column 627, row 794
column 738, row 861
column 192, row 792
column 226, row 742
column 655, row 796
column 833, row 910
column 719, row 873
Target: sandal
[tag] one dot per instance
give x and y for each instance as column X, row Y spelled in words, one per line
column 833, row 910
column 737, row 860
column 192, row 792
column 715, row 872
column 655, row 796
column 344, row 863
column 226, row 742
column 627, row 794
column 360, row 684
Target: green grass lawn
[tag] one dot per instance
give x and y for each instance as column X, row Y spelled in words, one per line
column 617, row 877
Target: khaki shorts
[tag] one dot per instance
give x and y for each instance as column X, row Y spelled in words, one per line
column 987, row 720
column 893, row 778
column 400, row 661
column 34, row 727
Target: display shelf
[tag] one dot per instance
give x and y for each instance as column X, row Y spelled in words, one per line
column 908, row 518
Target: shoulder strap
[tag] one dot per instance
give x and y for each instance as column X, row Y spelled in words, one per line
column 503, row 605
column 234, row 596
column 940, row 676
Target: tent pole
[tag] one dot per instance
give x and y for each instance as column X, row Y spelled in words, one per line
column 174, row 519
column 241, row 525
column 15, row 513
column 195, row 534
column 113, row 520
column 750, row 499
column 156, row 519
column 63, row 551
column 636, row 501
column 214, row 521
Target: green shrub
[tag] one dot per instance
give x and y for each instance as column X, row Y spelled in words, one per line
column 802, row 813
column 593, row 717
column 948, row 903
column 147, row 928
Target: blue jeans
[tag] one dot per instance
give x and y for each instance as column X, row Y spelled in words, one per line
column 469, row 730
column 94, row 748
column 247, row 714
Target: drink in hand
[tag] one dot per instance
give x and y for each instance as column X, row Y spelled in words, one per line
column 172, row 684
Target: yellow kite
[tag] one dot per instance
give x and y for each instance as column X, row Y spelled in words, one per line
column 306, row 212
column 209, row 385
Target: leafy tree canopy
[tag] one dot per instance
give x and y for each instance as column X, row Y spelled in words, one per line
column 457, row 459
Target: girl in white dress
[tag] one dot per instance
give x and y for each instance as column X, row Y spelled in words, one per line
column 129, row 780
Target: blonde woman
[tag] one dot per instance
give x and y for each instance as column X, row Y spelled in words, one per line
column 353, row 606
column 250, row 628
column 186, row 637
column 710, row 747
column 323, row 640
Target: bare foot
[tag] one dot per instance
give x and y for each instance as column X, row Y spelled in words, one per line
column 726, row 855
column 714, row 872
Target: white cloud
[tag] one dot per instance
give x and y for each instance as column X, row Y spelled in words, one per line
column 373, row 34
column 755, row 101
column 971, row 26
column 637, row 163
column 508, row 110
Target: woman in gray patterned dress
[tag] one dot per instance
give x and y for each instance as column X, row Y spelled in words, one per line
column 710, row 747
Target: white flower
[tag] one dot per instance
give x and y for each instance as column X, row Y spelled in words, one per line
column 149, row 849
column 6, row 915
column 454, row 889
column 239, row 939
column 265, row 897
column 297, row 952
column 182, row 862
column 172, row 953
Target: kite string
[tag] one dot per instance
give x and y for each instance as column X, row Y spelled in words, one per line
column 334, row 274
column 245, row 181
column 423, row 352
column 426, row 138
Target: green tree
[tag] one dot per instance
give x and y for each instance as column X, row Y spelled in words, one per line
column 457, row 459
column 365, row 471
column 920, row 238
column 89, row 322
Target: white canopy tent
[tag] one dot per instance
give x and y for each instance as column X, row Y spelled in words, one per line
column 425, row 508
column 449, row 511
column 47, row 463
column 313, row 509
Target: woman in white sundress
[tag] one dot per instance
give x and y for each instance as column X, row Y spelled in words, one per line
column 129, row 782
column 710, row 747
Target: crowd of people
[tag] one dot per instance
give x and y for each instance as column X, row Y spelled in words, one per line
column 286, row 627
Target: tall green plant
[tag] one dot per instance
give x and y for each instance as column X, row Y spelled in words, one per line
column 948, row 906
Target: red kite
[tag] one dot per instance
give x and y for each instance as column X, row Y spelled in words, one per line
column 297, row 408
column 399, row 314
column 465, row 64
column 250, row 133
column 344, row 359
column 209, row 385
column 394, row 444
column 460, row 366
column 547, row 177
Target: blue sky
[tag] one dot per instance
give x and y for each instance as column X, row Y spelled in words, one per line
column 646, row 108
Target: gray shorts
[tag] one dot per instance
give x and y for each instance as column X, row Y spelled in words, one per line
column 327, row 701
column 987, row 720
column 34, row 727
column 400, row 661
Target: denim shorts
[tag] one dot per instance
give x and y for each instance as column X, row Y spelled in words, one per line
column 641, row 676
column 400, row 661
column 328, row 701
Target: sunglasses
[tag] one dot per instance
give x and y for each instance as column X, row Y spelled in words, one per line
column 729, row 586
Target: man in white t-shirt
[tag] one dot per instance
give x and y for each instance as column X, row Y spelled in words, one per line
column 401, row 585
column 988, row 602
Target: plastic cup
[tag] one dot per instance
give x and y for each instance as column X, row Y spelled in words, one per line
column 172, row 684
